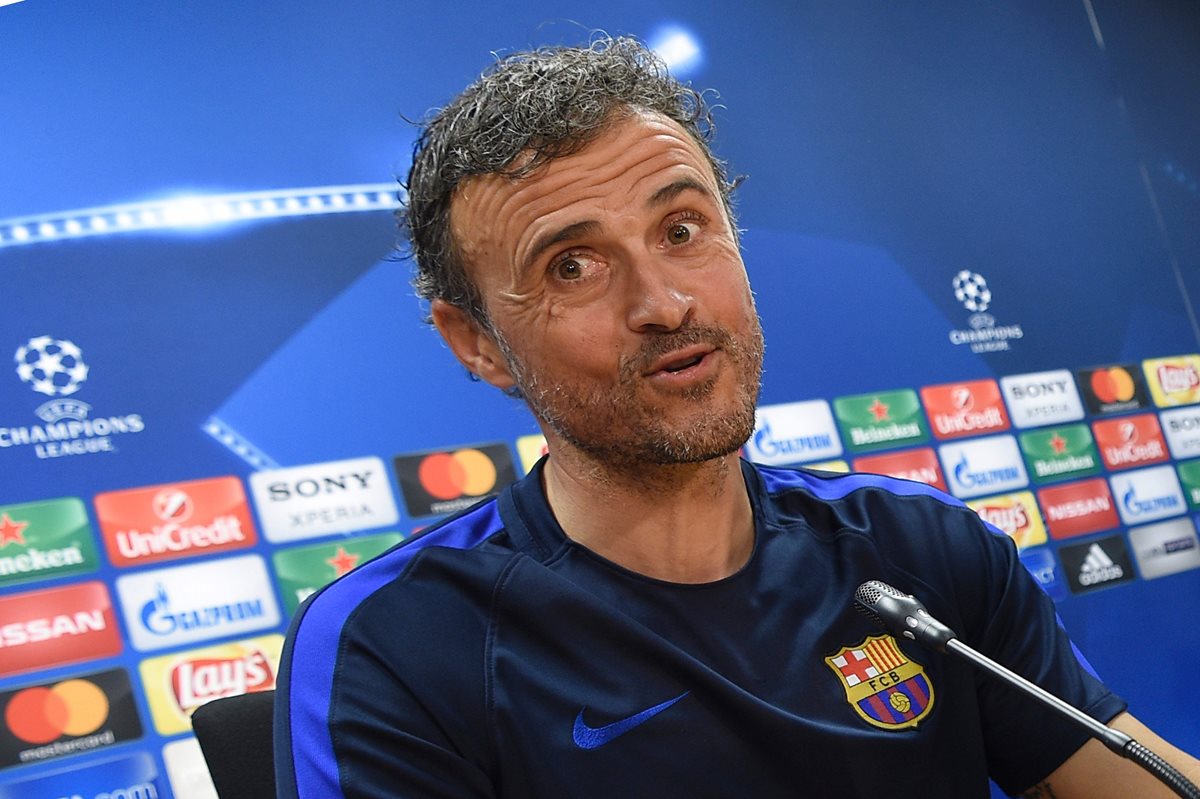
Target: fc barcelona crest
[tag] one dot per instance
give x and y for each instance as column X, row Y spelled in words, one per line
column 882, row 685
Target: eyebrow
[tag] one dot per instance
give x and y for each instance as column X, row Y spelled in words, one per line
column 674, row 189
column 577, row 230
column 572, row 231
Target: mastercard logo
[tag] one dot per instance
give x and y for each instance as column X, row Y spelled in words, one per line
column 40, row 715
column 1112, row 385
column 449, row 475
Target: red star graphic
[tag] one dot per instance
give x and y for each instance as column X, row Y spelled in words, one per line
column 1058, row 443
column 878, row 410
column 11, row 532
column 343, row 561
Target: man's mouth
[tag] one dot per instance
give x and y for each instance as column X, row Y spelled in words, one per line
column 679, row 366
column 681, row 360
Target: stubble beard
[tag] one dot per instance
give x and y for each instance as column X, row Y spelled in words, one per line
column 617, row 427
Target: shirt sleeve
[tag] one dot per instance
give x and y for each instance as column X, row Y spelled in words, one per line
column 376, row 700
column 1009, row 618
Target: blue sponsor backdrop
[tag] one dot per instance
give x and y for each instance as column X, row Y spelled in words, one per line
column 1050, row 148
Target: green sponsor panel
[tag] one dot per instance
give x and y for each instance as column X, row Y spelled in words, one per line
column 881, row 421
column 1057, row 453
column 42, row 540
column 300, row 571
column 1189, row 478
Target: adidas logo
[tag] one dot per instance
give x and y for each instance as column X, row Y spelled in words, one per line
column 1098, row 567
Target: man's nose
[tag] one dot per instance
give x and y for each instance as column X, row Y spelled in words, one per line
column 658, row 298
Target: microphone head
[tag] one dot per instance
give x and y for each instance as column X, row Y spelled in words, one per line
column 867, row 596
column 900, row 614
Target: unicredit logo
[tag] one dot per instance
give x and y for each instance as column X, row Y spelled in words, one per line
column 143, row 525
column 167, row 538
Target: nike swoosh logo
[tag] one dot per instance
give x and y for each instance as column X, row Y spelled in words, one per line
column 587, row 737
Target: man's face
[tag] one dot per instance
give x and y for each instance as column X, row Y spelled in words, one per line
column 619, row 300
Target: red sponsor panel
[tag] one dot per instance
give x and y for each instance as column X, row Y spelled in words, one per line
column 917, row 464
column 175, row 520
column 1130, row 441
column 1078, row 508
column 56, row 626
column 965, row 409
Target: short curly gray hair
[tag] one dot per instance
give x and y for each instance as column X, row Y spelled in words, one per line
column 527, row 109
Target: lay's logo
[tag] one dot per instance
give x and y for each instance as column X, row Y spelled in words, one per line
column 178, row 683
column 1173, row 381
column 1016, row 515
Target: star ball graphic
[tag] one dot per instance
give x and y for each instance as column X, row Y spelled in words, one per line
column 51, row 366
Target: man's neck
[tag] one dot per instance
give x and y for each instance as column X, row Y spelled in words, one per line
column 689, row 523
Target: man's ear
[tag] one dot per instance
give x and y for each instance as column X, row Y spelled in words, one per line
column 471, row 344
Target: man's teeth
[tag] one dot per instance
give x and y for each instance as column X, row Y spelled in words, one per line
column 679, row 367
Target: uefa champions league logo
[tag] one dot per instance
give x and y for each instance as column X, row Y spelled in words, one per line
column 972, row 291
column 51, row 366
column 984, row 335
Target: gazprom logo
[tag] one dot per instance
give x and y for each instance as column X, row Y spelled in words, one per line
column 984, row 478
column 983, row 466
column 794, row 432
column 196, row 602
column 1147, row 495
column 158, row 618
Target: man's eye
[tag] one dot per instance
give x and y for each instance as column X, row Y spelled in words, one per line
column 569, row 269
column 679, row 233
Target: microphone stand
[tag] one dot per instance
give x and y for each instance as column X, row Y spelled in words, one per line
column 903, row 615
column 1115, row 740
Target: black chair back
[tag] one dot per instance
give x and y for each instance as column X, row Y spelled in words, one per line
column 235, row 737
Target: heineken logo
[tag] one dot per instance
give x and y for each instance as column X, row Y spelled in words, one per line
column 1060, row 452
column 301, row 571
column 40, row 540
column 884, row 419
column 1189, row 479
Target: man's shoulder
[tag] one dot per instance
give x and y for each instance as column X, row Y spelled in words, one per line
column 452, row 561
column 832, row 487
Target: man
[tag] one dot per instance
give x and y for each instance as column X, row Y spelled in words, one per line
column 645, row 614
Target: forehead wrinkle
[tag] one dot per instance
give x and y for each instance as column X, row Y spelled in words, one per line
column 534, row 203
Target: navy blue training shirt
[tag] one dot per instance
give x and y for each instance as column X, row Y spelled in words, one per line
column 491, row 656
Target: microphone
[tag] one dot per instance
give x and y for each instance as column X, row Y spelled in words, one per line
column 901, row 614
column 904, row 616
